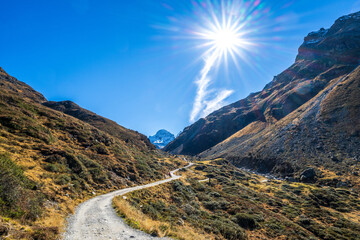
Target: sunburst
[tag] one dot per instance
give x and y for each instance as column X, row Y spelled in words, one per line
column 223, row 40
column 225, row 33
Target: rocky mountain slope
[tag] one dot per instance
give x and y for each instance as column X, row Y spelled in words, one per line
column 51, row 160
column 297, row 113
column 161, row 138
column 324, row 55
column 324, row 134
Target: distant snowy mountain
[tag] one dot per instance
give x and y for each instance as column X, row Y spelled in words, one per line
column 161, row 138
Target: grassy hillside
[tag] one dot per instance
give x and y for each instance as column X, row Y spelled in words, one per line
column 50, row 161
column 215, row 200
column 130, row 137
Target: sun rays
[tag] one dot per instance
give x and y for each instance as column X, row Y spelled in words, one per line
column 230, row 38
column 223, row 35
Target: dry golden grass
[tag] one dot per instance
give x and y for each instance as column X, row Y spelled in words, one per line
column 57, row 210
column 353, row 216
column 252, row 128
column 67, row 159
column 139, row 220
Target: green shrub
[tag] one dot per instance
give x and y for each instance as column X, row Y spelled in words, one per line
column 100, row 149
column 17, row 196
column 51, row 167
column 96, row 170
column 246, row 221
column 216, row 205
column 151, row 211
column 55, row 158
column 211, row 205
column 45, row 233
column 228, row 230
column 77, row 166
column 62, row 179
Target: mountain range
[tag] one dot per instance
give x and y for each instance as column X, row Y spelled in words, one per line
column 308, row 115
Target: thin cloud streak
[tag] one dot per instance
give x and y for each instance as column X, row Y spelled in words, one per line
column 217, row 102
column 202, row 106
column 228, row 31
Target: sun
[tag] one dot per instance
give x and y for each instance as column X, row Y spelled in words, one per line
column 223, row 30
column 224, row 36
column 224, row 39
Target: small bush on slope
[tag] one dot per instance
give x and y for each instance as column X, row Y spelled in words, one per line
column 18, row 195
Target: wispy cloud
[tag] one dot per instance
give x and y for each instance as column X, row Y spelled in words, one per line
column 216, row 103
column 202, row 104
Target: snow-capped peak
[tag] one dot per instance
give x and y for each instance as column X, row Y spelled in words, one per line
column 162, row 138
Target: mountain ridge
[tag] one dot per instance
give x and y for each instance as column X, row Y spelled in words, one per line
column 323, row 56
column 107, row 125
column 323, row 133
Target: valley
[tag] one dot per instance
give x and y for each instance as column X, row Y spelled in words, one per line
column 282, row 163
column 96, row 219
column 307, row 116
column 53, row 159
column 301, row 131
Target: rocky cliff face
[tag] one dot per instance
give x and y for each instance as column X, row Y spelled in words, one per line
column 162, row 138
column 325, row 56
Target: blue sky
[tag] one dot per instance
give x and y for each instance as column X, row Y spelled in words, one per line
column 135, row 62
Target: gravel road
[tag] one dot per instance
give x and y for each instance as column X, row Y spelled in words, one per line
column 96, row 219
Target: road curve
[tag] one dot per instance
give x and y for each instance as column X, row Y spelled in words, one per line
column 95, row 219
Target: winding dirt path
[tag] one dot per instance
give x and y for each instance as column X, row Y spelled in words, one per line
column 96, row 219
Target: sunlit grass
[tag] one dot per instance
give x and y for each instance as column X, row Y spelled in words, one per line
column 136, row 219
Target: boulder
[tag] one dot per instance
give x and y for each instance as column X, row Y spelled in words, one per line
column 308, row 175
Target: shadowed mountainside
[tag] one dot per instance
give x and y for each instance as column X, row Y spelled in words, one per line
column 325, row 57
column 324, row 133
